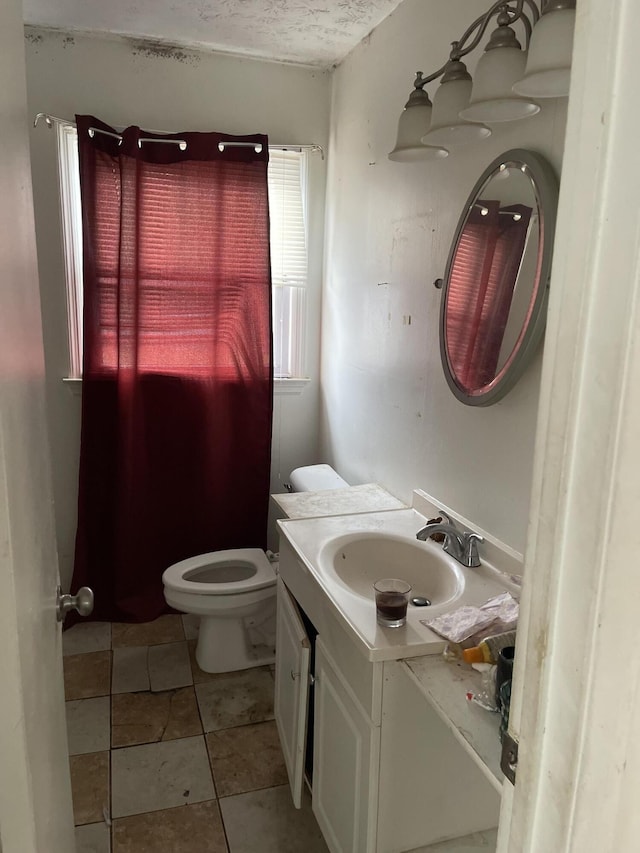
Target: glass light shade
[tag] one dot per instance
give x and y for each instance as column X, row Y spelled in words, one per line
column 492, row 98
column 548, row 68
column 446, row 126
column 413, row 124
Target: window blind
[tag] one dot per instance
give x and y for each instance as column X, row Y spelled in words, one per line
column 286, row 209
column 289, row 260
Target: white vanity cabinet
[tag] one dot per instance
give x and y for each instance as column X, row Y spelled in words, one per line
column 346, row 734
column 346, row 749
column 388, row 774
column 292, row 689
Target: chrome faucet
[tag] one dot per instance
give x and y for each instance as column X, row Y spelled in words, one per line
column 462, row 546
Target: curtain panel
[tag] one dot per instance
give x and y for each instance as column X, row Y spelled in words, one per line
column 177, row 374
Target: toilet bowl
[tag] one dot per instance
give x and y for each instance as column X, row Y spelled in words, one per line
column 234, row 594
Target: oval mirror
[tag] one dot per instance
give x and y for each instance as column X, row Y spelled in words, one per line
column 494, row 300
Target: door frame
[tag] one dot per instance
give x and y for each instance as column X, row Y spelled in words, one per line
column 575, row 704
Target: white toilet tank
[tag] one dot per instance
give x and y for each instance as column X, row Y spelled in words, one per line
column 316, row 478
column 309, row 478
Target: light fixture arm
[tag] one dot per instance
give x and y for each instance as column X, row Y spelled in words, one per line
column 421, row 81
column 515, row 13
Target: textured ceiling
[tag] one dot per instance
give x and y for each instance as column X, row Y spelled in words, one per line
column 301, row 31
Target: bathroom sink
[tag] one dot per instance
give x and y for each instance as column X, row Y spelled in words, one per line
column 329, row 565
column 357, row 560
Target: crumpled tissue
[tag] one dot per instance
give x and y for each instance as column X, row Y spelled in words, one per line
column 496, row 615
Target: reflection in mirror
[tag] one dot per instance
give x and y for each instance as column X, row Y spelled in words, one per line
column 495, row 287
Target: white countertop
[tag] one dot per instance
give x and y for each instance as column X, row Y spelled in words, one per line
column 309, row 536
column 354, row 499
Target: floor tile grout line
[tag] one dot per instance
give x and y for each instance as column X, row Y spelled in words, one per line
column 239, row 726
column 218, row 797
column 164, row 809
column 161, row 643
column 110, row 791
column 255, row 791
column 206, row 744
column 112, row 824
column 224, row 826
column 110, row 796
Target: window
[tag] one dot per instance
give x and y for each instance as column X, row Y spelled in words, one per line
column 287, row 181
column 287, row 211
column 71, row 220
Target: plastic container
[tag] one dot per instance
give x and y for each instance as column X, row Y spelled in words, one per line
column 488, row 650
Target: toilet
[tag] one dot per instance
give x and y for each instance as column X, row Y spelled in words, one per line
column 234, row 593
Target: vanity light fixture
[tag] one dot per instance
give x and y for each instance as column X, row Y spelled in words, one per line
column 414, row 122
column 501, row 65
column 506, row 80
column 549, row 61
column 452, row 96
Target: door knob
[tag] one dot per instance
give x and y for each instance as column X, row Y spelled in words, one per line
column 82, row 602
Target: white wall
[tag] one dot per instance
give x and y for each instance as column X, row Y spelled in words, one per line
column 387, row 413
column 124, row 82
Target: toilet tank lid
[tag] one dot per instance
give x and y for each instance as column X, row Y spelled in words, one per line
column 316, row 478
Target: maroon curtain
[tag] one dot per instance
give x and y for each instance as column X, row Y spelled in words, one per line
column 481, row 289
column 177, row 376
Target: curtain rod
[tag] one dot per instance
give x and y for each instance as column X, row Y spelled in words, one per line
column 50, row 120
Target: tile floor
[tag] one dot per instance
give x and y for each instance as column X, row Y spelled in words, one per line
column 166, row 758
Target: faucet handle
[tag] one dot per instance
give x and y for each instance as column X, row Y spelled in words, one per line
column 471, row 556
column 441, row 518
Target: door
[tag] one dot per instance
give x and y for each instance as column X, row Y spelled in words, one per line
column 346, row 750
column 575, row 704
column 35, row 794
column 292, row 689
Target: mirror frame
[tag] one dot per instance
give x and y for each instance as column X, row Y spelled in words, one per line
column 545, row 187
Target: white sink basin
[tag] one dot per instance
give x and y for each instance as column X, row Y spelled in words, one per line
column 357, row 560
column 337, row 559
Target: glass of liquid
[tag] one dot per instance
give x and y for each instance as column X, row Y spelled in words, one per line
column 392, row 596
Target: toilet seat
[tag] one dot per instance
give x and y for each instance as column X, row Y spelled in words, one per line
column 208, row 574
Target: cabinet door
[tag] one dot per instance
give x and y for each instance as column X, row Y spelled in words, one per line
column 292, row 689
column 345, row 762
